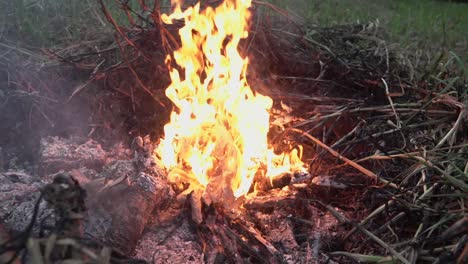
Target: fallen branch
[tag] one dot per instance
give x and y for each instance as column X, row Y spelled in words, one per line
column 360, row 168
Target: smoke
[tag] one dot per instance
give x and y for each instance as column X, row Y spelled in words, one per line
column 33, row 105
column 35, row 84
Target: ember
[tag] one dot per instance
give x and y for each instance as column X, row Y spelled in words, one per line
column 216, row 140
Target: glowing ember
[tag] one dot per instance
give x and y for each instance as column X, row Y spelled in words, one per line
column 216, row 140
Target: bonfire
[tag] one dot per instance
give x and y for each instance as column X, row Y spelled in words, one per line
column 227, row 132
column 217, row 137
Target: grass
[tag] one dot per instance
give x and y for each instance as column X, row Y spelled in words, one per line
column 435, row 184
column 425, row 24
column 47, row 23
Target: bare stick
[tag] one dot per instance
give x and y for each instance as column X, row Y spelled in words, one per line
column 346, row 160
column 452, row 132
column 372, row 236
column 387, row 91
column 112, row 21
column 142, row 85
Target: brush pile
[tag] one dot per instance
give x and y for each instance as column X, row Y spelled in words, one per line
column 382, row 133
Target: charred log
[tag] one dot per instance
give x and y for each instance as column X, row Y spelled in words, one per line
column 280, row 181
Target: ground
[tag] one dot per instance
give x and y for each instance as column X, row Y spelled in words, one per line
column 382, row 83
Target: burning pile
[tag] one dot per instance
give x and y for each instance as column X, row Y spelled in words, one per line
column 216, row 140
column 388, row 174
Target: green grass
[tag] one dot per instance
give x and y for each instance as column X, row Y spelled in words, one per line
column 50, row 22
column 426, row 23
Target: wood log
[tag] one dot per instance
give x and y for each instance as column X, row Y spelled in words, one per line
column 280, row 181
column 120, row 205
column 195, row 199
column 119, row 199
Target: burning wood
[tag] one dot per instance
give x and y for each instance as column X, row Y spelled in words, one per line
column 216, row 140
column 227, row 181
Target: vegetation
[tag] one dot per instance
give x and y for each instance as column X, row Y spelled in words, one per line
column 421, row 128
column 422, row 24
column 46, row 23
column 411, row 23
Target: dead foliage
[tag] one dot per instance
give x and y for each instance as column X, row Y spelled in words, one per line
column 382, row 128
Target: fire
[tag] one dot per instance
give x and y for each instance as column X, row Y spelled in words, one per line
column 216, row 139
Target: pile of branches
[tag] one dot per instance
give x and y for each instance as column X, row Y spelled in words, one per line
column 365, row 108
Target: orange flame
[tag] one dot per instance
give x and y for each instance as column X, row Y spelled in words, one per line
column 216, row 139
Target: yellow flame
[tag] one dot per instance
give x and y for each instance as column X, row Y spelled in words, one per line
column 216, row 139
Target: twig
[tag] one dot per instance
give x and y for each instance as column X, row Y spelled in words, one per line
column 346, row 160
column 407, row 155
column 96, row 14
column 343, row 219
column 80, row 87
column 127, row 7
column 393, row 131
column 142, row 85
column 452, row 132
column 278, row 10
column 112, row 21
column 328, row 50
column 247, row 226
column 387, row 91
column 349, row 134
column 376, row 212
